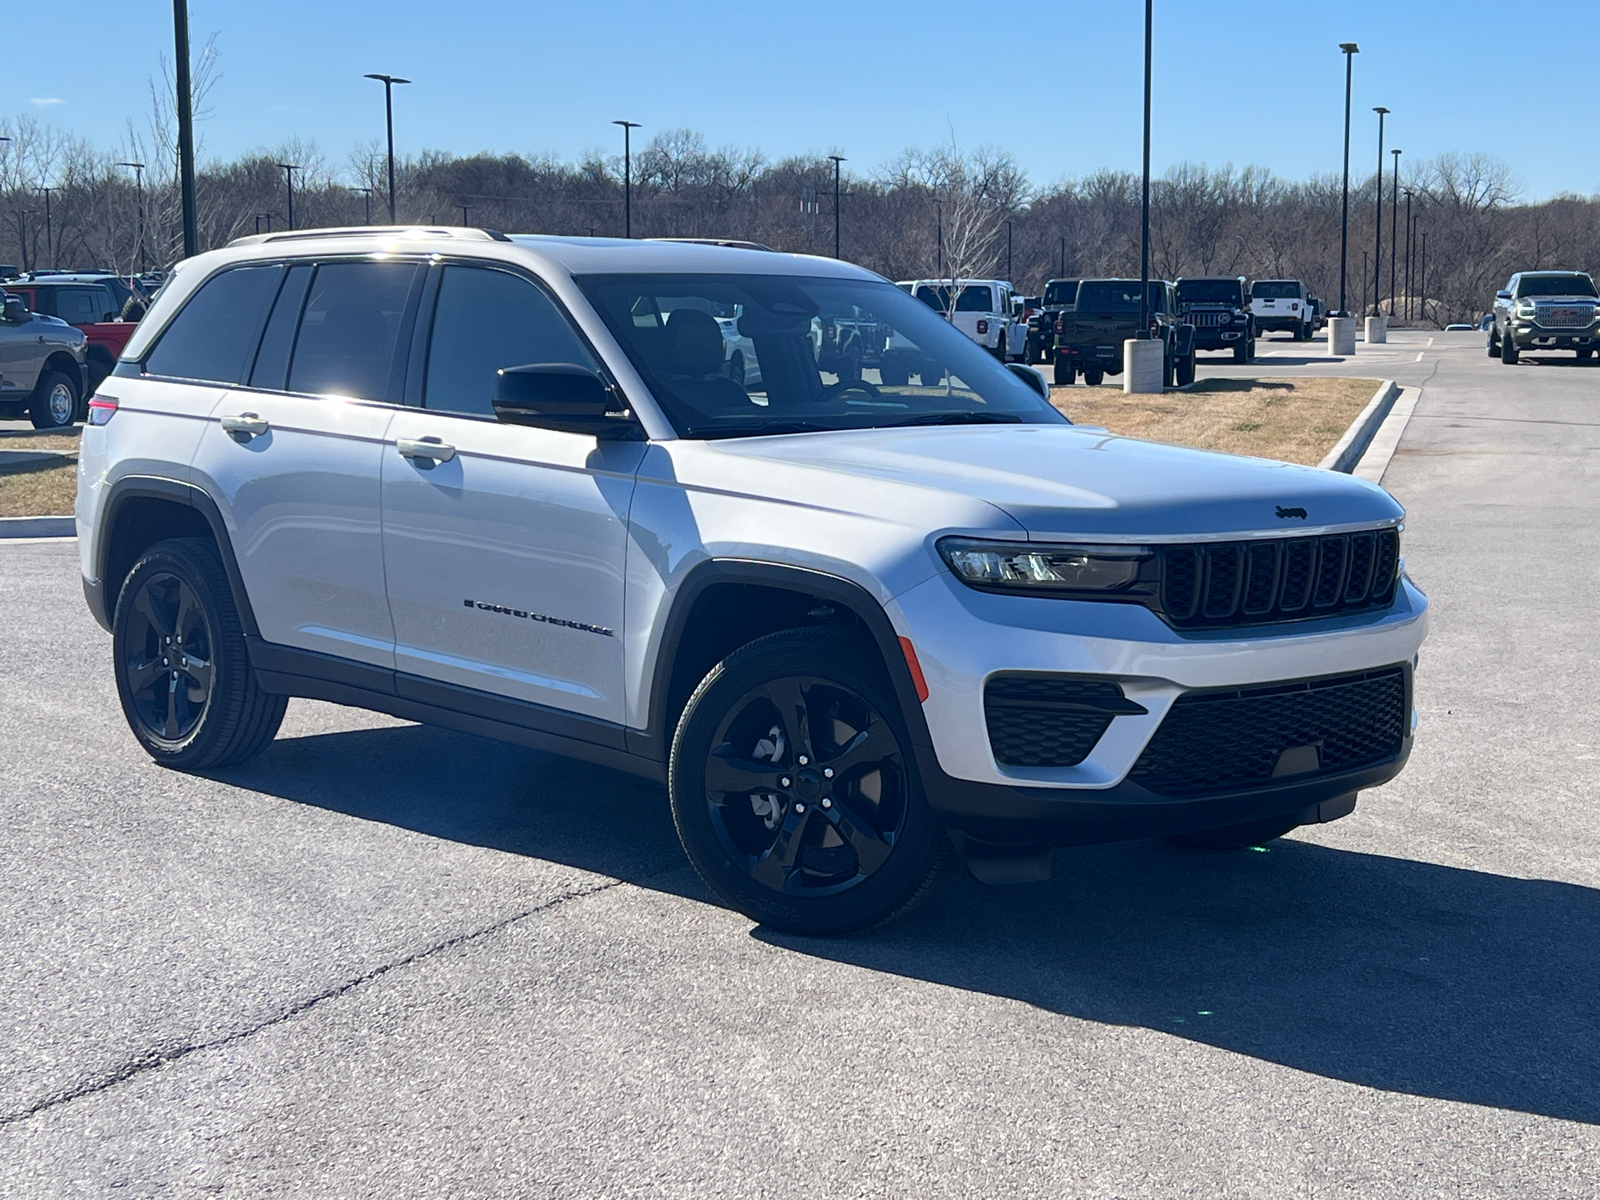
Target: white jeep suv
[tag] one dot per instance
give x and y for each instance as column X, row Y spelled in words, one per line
column 856, row 626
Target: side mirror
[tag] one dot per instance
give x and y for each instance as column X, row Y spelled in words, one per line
column 560, row 396
column 16, row 311
column 1502, row 294
column 1033, row 377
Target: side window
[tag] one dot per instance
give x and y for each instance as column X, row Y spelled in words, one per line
column 212, row 337
column 486, row 320
column 80, row 306
column 348, row 331
column 271, row 370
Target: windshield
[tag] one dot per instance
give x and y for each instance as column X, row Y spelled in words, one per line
column 1209, row 291
column 1276, row 289
column 1061, row 291
column 972, row 297
column 1115, row 295
column 821, row 354
column 1556, row 285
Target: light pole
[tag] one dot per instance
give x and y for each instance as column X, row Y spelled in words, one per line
column 388, row 82
column 288, row 175
column 48, row 251
column 1408, row 253
column 1350, row 51
column 836, row 159
column 22, row 234
column 1063, row 259
column 185, row 106
column 1422, row 283
column 627, row 175
column 1008, row 249
column 367, row 192
column 1144, row 219
column 1394, row 227
column 138, row 183
column 1377, row 251
column 938, row 237
column 465, row 209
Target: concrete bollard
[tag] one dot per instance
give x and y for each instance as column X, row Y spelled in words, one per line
column 1377, row 330
column 1341, row 335
column 1143, row 366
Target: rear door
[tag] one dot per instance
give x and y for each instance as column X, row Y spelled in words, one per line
column 504, row 544
column 294, row 452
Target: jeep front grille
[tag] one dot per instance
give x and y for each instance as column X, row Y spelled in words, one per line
column 1210, row 320
column 1235, row 739
column 1223, row 584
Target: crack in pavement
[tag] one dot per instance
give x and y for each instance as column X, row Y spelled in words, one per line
column 154, row 1059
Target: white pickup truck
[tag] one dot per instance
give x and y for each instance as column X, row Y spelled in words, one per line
column 983, row 311
column 1282, row 304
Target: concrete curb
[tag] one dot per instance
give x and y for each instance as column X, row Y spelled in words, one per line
column 37, row 527
column 1347, row 452
column 1386, row 441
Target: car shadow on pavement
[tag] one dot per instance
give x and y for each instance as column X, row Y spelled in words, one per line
column 1379, row 971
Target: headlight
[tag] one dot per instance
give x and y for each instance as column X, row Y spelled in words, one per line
column 1525, row 308
column 1024, row 567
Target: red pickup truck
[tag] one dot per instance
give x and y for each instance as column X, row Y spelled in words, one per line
column 93, row 304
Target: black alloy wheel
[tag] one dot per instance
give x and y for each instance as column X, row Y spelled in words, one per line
column 794, row 791
column 182, row 670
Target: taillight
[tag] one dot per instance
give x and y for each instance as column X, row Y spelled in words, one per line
column 1058, row 325
column 983, row 327
column 1155, row 329
column 102, row 409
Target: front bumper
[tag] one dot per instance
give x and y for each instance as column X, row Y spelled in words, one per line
column 1283, row 321
column 962, row 637
column 1219, row 339
column 1528, row 335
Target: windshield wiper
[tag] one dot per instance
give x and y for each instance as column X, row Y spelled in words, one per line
column 960, row 418
column 759, row 429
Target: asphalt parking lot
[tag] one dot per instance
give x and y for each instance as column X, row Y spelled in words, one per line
column 388, row 960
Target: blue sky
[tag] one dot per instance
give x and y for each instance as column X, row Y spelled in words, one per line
column 1237, row 81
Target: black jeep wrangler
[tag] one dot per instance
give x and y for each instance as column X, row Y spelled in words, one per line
column 1219, row 310
column 1059, row 297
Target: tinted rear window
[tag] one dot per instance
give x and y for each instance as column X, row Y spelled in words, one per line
column 1276, row 289
column 214, row 335
column 1061, row 291
column 349, row 328
column 1557, row 285
column 1095, row 295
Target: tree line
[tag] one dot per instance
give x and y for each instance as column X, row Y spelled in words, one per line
column 928, row 212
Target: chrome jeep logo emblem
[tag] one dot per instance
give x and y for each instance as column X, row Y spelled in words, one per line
column 1292, row 512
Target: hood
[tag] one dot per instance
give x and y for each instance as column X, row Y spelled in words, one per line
column 1064, row 481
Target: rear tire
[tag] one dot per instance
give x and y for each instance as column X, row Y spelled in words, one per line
column 1185, row 370
column 1493, row 346
column 183, row 673
column 55, row 401
column 1066, row 373
column 1093, row 376
column 1235, row 837
column 893, row 374
column 759, row 809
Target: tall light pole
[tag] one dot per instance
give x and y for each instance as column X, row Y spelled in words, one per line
column 48, row 251
column 138, row 183
column 836, row 159
column 465, row 209
column 1063, row 258
column 1408, row 253
column 185, row 107
column 1422, row 284
column 1144, row 221
column 367, row 192
column 1350, row 51
column 627, row 175
column 1377, row 251
column 388, row 82
column 288, row 175
column 1008, row 249
column 1394, row 227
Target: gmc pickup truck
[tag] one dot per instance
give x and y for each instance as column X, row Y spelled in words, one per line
column 1545, row 310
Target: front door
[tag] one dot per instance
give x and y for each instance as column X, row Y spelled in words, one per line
column 295, row 456
column 504, row 545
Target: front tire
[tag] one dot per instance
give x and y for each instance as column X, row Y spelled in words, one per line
column 794, row 790
column 1493, row 346
column 1185, row 370
column 55, row 401
column 182, row 670
column 1508, row 351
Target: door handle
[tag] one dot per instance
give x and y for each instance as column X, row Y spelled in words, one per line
column 244, row 426
column 424, row 452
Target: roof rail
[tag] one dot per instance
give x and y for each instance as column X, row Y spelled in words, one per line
column 428, row 231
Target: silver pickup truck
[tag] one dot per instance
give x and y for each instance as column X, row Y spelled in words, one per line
column 1545, row 310
column 44, row 373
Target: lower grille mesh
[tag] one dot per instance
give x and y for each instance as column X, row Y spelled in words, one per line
column 1049, row 720
column 1226, row 741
